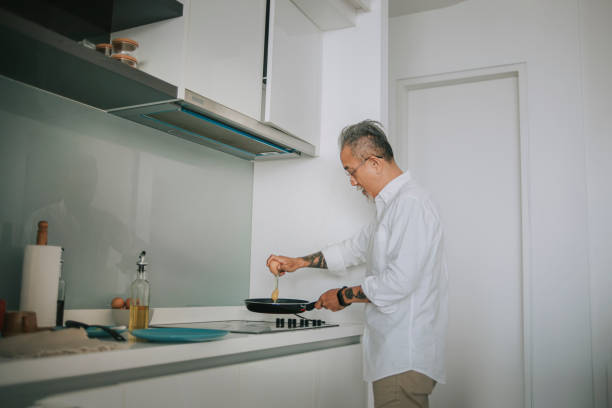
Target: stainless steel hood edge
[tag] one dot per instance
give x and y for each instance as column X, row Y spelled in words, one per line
column 204, row 121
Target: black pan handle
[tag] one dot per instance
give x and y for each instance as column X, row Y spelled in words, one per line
column 309, row 306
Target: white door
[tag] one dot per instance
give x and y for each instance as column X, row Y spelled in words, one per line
column 460, row 139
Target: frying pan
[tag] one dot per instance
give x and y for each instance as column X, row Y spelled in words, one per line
column 281, row 306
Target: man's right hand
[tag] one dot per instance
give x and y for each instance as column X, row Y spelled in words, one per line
column 279, row 264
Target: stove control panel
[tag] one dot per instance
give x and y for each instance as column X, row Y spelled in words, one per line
column 280, row 322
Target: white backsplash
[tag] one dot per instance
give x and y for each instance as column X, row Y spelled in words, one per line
column 110, row 188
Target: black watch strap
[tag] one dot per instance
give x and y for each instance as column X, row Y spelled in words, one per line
column 341, row 298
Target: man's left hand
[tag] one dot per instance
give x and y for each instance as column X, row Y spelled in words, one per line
column 329, row 300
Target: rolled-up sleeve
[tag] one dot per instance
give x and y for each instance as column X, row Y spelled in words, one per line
column 350, row 252
column 409, row 239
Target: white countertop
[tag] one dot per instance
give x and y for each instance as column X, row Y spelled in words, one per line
column 237, row 346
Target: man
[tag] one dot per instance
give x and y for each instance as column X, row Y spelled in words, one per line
column 405, row 288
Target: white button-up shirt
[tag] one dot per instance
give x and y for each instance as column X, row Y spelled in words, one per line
column 406, row 282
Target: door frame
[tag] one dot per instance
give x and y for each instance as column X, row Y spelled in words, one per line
column 518, row 71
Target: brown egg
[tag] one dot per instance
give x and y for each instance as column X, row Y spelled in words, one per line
column 117, row 303
column 127, row 302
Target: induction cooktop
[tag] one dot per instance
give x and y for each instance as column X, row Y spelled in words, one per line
column 255, row 326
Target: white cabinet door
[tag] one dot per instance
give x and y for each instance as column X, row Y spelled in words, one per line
column 224, row 52
column 278, row 382
column 214, row 387
column 317, row 379
column 293, row 82
column 102, row 397
column 340, row 378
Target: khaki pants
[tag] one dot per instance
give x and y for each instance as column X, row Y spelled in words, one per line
column 406, row 390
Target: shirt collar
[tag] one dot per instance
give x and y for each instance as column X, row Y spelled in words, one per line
column 392, row 188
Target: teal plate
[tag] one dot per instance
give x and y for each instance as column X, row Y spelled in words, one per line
column 98, row 332
column 176, row 335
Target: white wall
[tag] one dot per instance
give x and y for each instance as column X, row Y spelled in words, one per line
column 301, row 205
column 545, row 35
column 597, row 85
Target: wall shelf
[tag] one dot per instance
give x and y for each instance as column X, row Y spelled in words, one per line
column 47, row 60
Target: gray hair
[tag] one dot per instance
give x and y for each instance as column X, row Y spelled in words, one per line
column 365, row 139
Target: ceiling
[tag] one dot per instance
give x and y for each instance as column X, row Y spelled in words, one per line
column 401, row 7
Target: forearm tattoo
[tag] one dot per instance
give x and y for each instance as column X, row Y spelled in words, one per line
column 360, row 294
column 348, row 294
column 316, row 260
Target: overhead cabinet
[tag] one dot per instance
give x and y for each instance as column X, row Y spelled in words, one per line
column 215, row 49
column 293, row 74
column 200, row 75
column 224, row 52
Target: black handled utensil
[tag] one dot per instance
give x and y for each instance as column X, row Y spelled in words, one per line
column 114, row 334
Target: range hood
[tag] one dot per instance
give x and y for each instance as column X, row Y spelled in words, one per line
column 204, row 121
column 47, row 60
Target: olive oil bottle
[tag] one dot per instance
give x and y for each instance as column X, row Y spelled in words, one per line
column 139, row 293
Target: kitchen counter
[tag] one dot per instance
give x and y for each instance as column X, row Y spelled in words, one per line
column 37, row 377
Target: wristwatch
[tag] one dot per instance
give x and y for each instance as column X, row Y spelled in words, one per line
column 341, row 298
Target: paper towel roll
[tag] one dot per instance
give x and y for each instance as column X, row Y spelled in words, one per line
column 39, row 282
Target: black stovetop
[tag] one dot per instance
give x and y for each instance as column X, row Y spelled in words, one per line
column 255, row 326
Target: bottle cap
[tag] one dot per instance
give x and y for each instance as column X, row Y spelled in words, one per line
column 141, row 261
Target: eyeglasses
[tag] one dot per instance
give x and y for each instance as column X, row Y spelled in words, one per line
column 352, row 172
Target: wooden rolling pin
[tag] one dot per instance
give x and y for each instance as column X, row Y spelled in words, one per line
column 41, row 235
